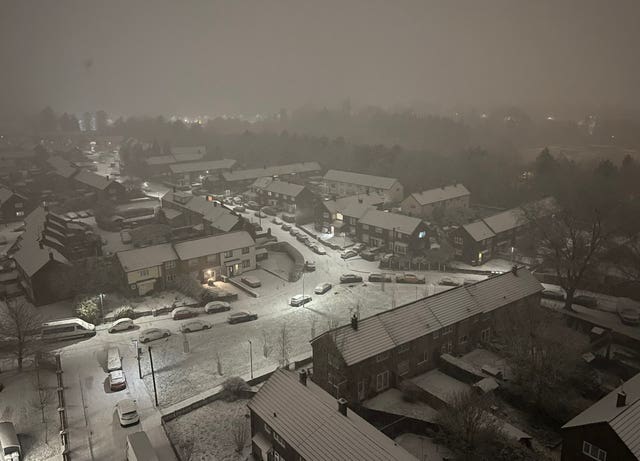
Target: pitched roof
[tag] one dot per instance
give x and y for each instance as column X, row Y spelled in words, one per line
column 307, row 418
column 478, row 231
column 143, row 258
column 6, row 194
column 214, row 213
column 62, row 166
column 285, row 188
column 505, row 221
column 255, row 173
column 209, row 165
column 92, row 179
column 160, row 160
column 377, row 182
column 391, row 328
column 624, row 421
column 440, row 194
column 390, row 221
column 212, row 245
column 189, row 150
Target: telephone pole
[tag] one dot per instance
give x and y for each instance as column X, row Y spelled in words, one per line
column 153, row 377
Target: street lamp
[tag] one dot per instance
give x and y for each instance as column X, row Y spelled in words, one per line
column 251, row 357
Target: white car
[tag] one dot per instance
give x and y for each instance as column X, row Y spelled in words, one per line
column 322, row 288
column 117, row 381
column 300, row 300
column 217, row 306
column 127, row 412
column 194, row 325
column 151, row 334
column 121, row 325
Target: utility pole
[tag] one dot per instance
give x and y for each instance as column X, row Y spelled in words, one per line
column 138, row 353
column 153, row 377
column 251, row 357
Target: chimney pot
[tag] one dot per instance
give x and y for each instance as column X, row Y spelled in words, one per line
column 51, row 255
column 342, row 406
column 303, row 377
column 514, row 269
column 354, row 322
column 622, row 399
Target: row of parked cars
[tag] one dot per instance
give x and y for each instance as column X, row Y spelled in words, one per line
column 301, row 237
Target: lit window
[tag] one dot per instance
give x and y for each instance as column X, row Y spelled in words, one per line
column 339, row 216
column 19, row 213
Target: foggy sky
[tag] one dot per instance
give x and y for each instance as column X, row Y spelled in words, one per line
column 248, row 56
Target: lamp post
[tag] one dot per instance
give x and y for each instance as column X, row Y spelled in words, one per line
column 153, row 377
column 251, row 357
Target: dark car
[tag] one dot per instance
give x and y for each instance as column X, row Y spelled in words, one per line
column 584, row 300
column 409, row 278
column 368, row 255
column 629, row 315
column 379, row 277
column 556, row 295
column 302, row 238
column 286, row 227
column 290, row 218
column 269, row 210
column 240, row 317
column 251, row 205
column 449, row 282
column 350, row 278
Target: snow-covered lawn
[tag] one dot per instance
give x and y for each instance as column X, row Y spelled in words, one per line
column 18, row 404
column 207, row 432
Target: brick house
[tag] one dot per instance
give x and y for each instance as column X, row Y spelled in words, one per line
column 238, row 180
column 293, row 419
column 291, row 198
column 400, row 234
column 342, row 214
column 608, row 430
column 423, row 204
column 14, row 206
column 102, row 187
column 344, row 183
column 146, row 269
column 187, row 173
column 360, row 360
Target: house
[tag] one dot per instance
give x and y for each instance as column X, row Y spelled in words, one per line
column 423, row 204
column 294, row 419
column 156, row 267
column 608, row 430
column 291, row 198
column 187, row 173
column 342, row 214
column 342, row 183
column 400, row 234
column 101, row 187
column 473, row 242
column 14, row 206
column 181, row 209
column 370, row 355
column 238, row 180
column 159, row 164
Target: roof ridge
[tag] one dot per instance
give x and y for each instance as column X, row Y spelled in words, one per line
column 625, row 409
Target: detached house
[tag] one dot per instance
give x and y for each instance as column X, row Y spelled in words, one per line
column 400, row 234
column 423, row 204
column 13, row 206
column 370, row 355
column 342, row 183
column 294, row 419
column 291, row 198
column 102, row 187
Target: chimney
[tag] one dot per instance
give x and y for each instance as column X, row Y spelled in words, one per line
column 359, row 199
column 107, row 177
column 354, row 322
column 303, row 377
column 51, row 255
column 514, row 270
column 215, row 204
column 41, row 244
column 342, row 406
column 622, row 399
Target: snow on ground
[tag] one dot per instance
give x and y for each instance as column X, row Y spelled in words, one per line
column 494, row 265
column 423, row 447
column 207, row 432
column 18, row 405
column 279, row 263
column 114, row 301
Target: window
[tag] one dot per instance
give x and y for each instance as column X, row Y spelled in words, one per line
column 446, row 348
column 436, row 334
column 171, row 277
column 339, row 216
column 277, row 438
column 277, row 456
column 485, row 334
column 401, row 249
column 463, row 339
column 458, row 240
column 382, row 357
column 143, row 272
column 267, row 429
column 447, row 330
column 228, row 254
column 594, row 452
column 170, row 265
column 382, row 380
column 403, row 367
column 424, row 358
column 245, row 250
column 404, row 348
column 365, row 227
column 19, row 213
column 246, row 263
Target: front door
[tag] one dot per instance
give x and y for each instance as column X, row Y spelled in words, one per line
column 231, row 270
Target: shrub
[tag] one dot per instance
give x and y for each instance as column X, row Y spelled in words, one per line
column 409, row 392
column 124, row 312
column 233, row 388
column 87, row 309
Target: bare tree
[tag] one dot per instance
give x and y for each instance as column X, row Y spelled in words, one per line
column 20, row 323
column 266, row 347
column 283, row 345
column 42, row 399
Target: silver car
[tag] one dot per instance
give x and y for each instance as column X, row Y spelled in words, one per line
column 194, row 325
column 151, row 334
column 121, row 325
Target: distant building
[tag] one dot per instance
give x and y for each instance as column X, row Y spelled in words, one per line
column 14, row 206
column 187, row 173
column 238, row 180
column 423, row 204
column 397, row 233
column 156, row 165
column 343, row 183
column 342, row 214
column 608, row 430
column 101, row 187
column 293, row 419
column 291, row 198
column 182, row 209
column 360, row 360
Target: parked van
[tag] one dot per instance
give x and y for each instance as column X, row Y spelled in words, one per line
column 139, row 448
column 67, row 329
column 11, row 450
column 114, row 362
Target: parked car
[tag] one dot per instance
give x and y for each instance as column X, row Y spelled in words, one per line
column 251, row 281
column 290, row 218
column 302, row 237
column 449, row 282
column 240, row 317
column 194, row 325
column 293, row 231
column 358, row 247
column 275, row 220
column 269, row 210
column 151, row 334
column 318, row 249
column 117, row 381
column 629, row 315
column 180, row 313
column 260, row 214
column 556, row 295
column 82, row 214
column 239, row 209
column 217, row 306
column 127, row 412
column 409, row 278
column 348, row 254
column 300, row 300
column 121, row 325
column 253, row 205
column 285, row 227
column 379, row 277
column 350, row 278
column 584, row 300
column 322, row 288
column 368, row 255
column 237, row 199
column 309, row 266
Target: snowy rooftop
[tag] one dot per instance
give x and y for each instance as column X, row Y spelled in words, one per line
column 367, row 180
column 255, row 173
column 213, row 245
column 440, row 194
column 390, row 221
column 210, row 165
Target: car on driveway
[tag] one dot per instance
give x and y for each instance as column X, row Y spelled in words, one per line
column 117, row 381
column 550, row 293
column 309, row 266
column 127, row 412
column 275, row 220
column 285, row 227
column 350, row 278
column 240, row 317
column 121, row 325
column 449, row 282
column 629, row 315
column 180, row 313
column 300, row 300
column 269, row 210
column 253, row 282
column 380, row 277
column 239, row 209
column 585, row 300
column 151, row 334
column 217, row 306
column 409, row 278
column 318, row 249
column 194, row 325
column 358, row 247
column 322, row 288
column 348, row 254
